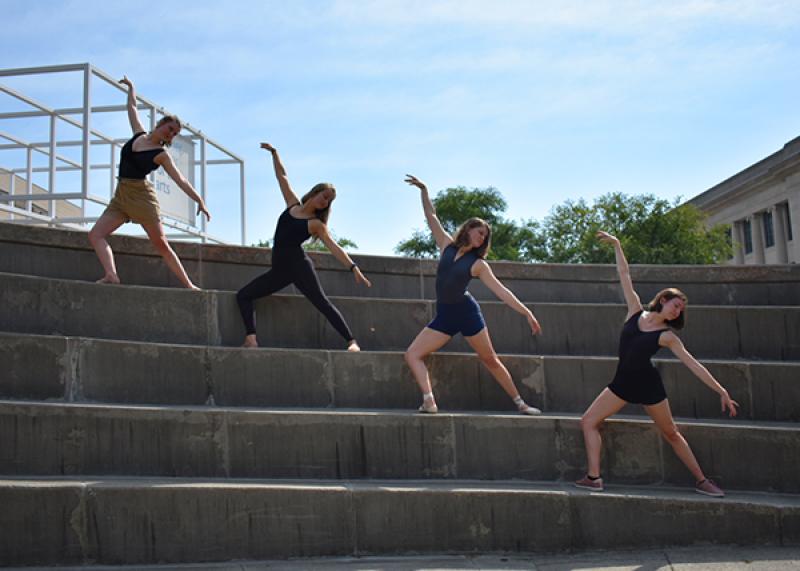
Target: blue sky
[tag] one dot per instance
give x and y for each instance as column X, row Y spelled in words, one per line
column 544, row 101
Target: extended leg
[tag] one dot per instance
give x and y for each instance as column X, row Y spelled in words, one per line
column 104, row 226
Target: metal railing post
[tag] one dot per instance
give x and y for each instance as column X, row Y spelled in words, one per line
column 86, row 150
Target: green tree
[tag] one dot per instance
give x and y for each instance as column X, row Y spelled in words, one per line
column 651, row 230
column 316, row 245
column 510, row 241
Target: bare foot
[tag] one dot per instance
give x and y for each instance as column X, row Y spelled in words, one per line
column 353, row 347
column 250, row 341
column 108, row 279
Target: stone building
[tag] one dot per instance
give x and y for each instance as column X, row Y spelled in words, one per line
column 761, row 204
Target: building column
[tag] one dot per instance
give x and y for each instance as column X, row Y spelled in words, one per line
column 738, row 243
column 757, row 229
column 781, row 237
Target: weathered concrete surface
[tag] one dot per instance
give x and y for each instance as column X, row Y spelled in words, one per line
column 90, row 370
column 706, row 557
column 61, row 307
column 146, row 521
column 51, row 439
column 67, row 254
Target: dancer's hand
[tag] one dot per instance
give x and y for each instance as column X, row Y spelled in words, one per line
column 607, row 238
column 361, row 278
column 414, row 181
column 126, row 81
column 268, row 147
column 201, row 208
column 728, row 404
column 534, row 323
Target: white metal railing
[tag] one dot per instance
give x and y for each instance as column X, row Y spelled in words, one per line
column 81, row 118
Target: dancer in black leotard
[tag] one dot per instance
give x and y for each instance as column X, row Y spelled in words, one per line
column 135, row 198
column 646, row 330
column 290, row 264
column 462, row 258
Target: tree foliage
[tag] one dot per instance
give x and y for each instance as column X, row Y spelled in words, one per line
column 317, row 245
column 652, row 230
column 510, row 241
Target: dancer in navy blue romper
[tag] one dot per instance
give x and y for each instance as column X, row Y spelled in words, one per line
column 462, row 258
column 646, row 330
column 290, row 264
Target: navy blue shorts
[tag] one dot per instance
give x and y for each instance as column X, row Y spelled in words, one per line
column 464, row 317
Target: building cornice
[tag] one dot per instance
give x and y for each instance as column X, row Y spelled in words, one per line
column 776, row 166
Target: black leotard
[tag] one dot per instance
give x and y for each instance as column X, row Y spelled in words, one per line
column 290, row 264
column 453, row 276
column 137, row 164
column 636, row 379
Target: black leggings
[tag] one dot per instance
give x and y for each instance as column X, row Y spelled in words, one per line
column 302, row 274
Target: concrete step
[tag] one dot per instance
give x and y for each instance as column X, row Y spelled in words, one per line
column 72, row 369
column 51, row 439
column 67, row 254
column 143, row 521
column 64, row 307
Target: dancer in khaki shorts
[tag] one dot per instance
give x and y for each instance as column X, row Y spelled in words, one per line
column 135, row 198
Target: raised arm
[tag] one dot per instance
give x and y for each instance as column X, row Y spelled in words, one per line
column 481, row 269
column 133, row 112
column 166, row 161
column 318, row 228
column 631, row 297
column 443, row 239
column 280, row 173
column 673, row 342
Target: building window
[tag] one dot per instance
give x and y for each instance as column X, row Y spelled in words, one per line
column 729, row 239
column 769, row 230
column 788, row 221
column 747, row 227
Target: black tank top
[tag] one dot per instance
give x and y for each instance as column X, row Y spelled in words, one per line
column 137, row 164
column 452, row 276
column 636, row 347
column 290, row 234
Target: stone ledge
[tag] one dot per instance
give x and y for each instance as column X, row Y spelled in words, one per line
column 148, row 521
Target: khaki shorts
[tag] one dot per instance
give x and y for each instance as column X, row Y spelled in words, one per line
column 135, row 200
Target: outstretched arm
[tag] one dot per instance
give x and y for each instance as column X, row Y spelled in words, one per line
column 669, row 339
column 320, row 230
column 133, row 112
column 280, row 173
column 443, row 239
column 481, row 269
column 166, row 161
column 631, row 297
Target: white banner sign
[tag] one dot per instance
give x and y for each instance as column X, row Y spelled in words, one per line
column 173, row 201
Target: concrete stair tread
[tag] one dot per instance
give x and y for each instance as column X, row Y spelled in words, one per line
column 497, row 302
column 61, row 253
column 393, row 352
column 659, row 492
column 180, row 410
column 52, row 306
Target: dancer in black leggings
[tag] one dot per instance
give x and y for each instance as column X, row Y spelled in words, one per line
column 290, row 264
column 645, row 331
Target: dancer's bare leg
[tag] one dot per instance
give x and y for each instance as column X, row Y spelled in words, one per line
column 156, row 234
column 104, row 226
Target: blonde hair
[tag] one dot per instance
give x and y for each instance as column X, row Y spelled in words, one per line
column 167, row 119
column 322, row 213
